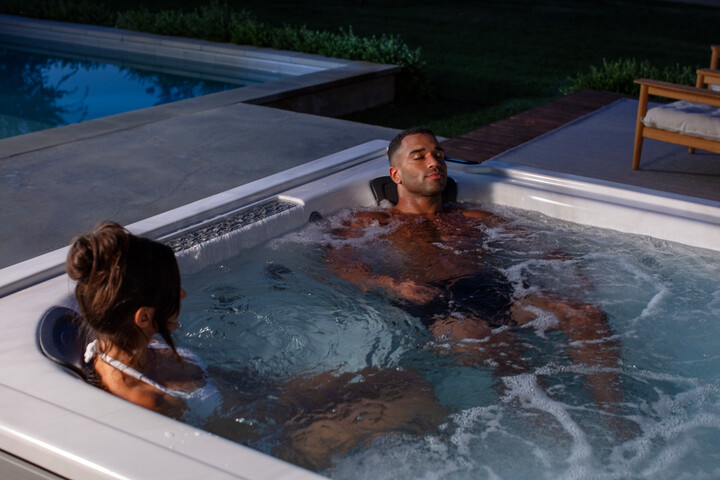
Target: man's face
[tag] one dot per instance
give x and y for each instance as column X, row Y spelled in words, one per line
column 420, row 166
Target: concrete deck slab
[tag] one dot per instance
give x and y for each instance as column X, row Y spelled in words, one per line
column 53, row 193
column 57, row 183
column 600, row 146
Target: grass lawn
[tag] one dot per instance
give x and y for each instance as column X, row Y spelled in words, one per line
column 489, row 59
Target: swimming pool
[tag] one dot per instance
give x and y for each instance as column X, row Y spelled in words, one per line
column 287, row 80
column 43, row 87
column 213, row 230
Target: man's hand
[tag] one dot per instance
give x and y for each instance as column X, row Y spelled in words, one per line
column 414, row 292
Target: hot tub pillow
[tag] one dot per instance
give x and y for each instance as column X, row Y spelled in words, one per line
column 383, row 188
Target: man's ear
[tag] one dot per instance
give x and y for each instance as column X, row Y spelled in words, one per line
column 145, row 318
column 395, row 175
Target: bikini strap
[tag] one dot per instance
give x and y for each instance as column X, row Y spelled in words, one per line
column 93, row 349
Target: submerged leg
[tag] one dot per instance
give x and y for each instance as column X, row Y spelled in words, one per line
column 592, row 342
column 336, row 413
column 475, row 342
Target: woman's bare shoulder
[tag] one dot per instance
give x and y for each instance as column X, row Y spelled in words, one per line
column 129, row 388
column 146, row 396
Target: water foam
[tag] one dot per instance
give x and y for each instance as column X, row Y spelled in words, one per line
column 525, row 389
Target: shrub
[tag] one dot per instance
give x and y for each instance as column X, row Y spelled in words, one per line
column 345, row 44
column 211, row 22
column 77, row 11
column 216, row 22
column 618, row 76
column 219, row 23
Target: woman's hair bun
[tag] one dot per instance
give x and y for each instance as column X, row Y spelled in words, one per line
column 117, row 273
column 79, row 263
column 97, row 252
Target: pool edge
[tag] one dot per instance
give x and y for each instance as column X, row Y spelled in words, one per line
column 327, row 86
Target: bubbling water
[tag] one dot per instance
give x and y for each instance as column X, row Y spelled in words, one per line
column 276, row 312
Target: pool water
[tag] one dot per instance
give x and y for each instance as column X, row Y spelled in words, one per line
column 44, row 89
column 277, row 312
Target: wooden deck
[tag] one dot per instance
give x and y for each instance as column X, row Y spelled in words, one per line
column 494, row 139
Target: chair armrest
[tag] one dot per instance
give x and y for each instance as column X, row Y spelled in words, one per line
column 707, row 76
column 710, row 72
column 678, row 92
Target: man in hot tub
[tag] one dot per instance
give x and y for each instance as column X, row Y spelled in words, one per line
column 429, row 258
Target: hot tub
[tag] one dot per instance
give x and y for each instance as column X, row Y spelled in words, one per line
column 52, row 420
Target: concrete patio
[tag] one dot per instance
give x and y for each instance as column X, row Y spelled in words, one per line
column 59, row 182
column 52, row 194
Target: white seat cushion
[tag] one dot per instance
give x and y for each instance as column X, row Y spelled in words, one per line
column 688, row 118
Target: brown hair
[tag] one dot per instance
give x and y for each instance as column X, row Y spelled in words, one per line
column 117, row 273
column 395, row 142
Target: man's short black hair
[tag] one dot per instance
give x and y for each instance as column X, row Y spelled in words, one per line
column 395, row 142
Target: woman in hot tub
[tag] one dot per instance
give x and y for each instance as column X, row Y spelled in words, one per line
column 128, row 290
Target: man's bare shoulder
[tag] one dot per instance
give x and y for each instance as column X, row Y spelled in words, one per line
column 483, row 216
column 359, row 221
column 478, row 214
column 371, row 217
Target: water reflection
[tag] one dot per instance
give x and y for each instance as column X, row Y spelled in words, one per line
column 39, row 91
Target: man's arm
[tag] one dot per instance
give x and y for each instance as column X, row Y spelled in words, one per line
column 344, row 264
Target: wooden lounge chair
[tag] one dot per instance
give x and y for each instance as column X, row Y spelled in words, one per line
column 693, row 121
column 715, row 57
column 710, row 77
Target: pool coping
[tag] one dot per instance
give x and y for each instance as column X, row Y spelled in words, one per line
column 317, row 85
